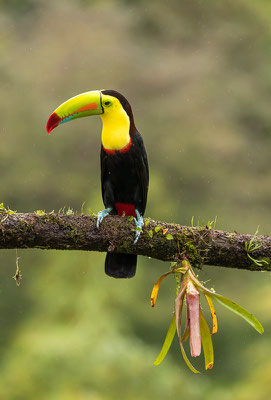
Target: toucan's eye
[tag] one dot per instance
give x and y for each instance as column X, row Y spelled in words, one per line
column 107, row 103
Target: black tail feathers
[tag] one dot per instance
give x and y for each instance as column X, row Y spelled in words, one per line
column 120, row 265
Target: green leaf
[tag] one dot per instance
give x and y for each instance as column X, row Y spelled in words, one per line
column 206, row 341
column 234, row 307
column 259, row 263
column 230, row 305
column 150, row 233
column 167, row 343
column 188, row 363
column 169, row 237
column 157, row 229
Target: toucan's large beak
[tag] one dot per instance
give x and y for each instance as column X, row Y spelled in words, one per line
column 82, row 105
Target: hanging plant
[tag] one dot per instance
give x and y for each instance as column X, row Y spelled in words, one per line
column 196, row 329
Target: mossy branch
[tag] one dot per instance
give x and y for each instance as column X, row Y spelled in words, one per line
column 160, row 240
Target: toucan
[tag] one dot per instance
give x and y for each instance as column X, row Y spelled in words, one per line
column 124, row 164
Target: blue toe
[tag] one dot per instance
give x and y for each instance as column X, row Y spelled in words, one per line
column 102, row 215
column 139, row 224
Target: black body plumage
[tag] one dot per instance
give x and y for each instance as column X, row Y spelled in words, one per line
column 124, row 179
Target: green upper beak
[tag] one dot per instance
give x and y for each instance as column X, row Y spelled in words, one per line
column 82, row 105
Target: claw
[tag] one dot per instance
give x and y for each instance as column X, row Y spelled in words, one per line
column 139, row 224
column 102, row 215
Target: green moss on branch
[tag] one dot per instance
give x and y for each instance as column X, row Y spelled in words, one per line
column 201, row 245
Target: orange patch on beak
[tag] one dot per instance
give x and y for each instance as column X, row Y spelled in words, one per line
column 87, row 107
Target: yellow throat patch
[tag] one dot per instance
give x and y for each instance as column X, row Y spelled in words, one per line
column 116, row 124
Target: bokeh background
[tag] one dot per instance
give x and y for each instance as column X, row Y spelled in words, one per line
column 198, row 75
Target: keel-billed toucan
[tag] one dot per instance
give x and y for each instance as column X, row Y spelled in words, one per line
column 124, row 165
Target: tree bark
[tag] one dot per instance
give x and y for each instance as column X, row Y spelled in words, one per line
column 160, row 240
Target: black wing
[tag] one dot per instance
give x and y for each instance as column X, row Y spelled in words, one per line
column 107, row 189
column 142, row 169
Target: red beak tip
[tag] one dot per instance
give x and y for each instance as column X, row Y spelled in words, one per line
column 52, row 123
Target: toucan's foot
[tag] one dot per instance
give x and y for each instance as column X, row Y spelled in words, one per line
column 139, row 225
column 102, row 214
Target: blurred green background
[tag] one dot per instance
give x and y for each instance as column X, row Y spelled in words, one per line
column 198, row 76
